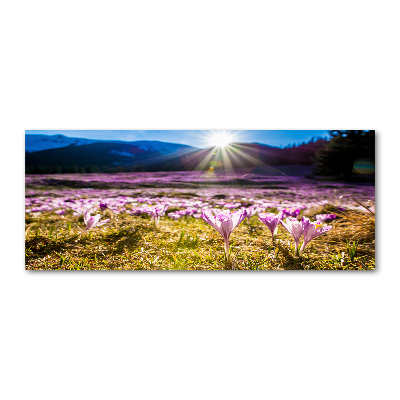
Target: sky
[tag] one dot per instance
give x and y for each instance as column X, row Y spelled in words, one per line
column 195, row 138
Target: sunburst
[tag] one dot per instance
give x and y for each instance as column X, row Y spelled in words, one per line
column 220, row 139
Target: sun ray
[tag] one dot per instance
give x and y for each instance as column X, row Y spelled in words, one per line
column 262, row 163
column 237, row 152
column 202, row 164
column 227, row 162
column 225, row 154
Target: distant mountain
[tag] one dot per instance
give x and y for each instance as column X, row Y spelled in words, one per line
column 97, row 156
column 118, row 156
column 34, row 143
column 160, row 147
column 44, row 142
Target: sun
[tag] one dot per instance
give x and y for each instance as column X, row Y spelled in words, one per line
column 220, row 139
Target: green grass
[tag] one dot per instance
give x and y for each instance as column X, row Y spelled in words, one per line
column 132, row 242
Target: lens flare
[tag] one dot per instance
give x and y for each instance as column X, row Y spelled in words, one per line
column 364, row 166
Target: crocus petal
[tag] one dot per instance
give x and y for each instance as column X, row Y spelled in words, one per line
column 223, row 220
column 297, row 229
column 226, row 228
column 210, row 219
column 312, row 231
column 238, row 217
column 103, row 222
column 96, row 220
column 287, row 225
column 305, row 222
column 89, row 224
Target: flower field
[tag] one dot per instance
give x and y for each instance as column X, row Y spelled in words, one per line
column 210, row 220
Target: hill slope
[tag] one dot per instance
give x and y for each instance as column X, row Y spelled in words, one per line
column 159, row 156
column 44, row 142
column 101, row 156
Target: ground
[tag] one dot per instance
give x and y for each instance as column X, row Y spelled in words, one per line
column 134, row 242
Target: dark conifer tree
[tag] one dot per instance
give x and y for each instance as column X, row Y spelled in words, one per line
column 338, row 155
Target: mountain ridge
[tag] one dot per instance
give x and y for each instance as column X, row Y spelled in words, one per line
column 40, row 142
column 140, row 156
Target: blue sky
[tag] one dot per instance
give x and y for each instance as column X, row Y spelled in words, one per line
column 196, row 138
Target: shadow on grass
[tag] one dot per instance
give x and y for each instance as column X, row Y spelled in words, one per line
column 122, row 238
column 290, row 261
column 41, row 246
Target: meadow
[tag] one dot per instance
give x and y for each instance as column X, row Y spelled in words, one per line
column 55, row 207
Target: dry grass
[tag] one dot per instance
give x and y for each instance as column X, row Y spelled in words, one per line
column 131, row 242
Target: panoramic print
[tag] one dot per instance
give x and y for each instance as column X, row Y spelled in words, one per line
column 200, row 200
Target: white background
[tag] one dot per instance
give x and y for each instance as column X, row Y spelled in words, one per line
column 199, row 65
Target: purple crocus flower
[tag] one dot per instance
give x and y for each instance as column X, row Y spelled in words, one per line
column 92, row 222
column 313, row 230
column 59, row 212
column 325, row 217
column 296, row 228
column 271, row 220
column 174, row 215
column 291, row 212
column 102, row 206
column 224, row 222
column 191, row 210
column 250, row 211
column 156, row 211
